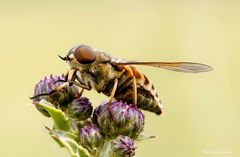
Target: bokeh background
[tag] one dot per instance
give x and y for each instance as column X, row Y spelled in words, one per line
column 201, row 110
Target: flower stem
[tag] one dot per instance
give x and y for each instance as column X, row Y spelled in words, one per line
column 106, row 149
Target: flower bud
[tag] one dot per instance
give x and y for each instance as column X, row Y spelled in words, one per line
column 119, row 119
column 90, row 138
column 123, row 146
column 80, row 109
column 60, row 98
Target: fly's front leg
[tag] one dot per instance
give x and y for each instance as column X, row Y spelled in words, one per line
column 65, row 78
column 58, row 88
column 70, row 77
column 81, row 92
column 83, row 87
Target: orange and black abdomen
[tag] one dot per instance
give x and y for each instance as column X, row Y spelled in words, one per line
column 147, row 98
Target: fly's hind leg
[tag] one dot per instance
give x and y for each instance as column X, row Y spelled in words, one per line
column 134, row 84
column 134, row 91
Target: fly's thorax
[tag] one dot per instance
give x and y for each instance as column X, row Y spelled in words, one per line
column 101, row 74
column 96, row 74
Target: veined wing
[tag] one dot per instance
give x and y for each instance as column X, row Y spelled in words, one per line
column 187, row 67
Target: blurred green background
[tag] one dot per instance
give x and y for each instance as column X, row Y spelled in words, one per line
column 201, row 110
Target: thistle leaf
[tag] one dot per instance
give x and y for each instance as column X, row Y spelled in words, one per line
column 69, row 141
column 61, row 121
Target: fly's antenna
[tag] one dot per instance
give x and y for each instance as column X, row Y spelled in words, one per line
column 65, row 58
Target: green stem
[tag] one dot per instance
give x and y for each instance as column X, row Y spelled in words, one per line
column 106, row 149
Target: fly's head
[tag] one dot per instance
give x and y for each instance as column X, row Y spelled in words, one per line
column 94, row 66
column 84, row 58
column 81, row 57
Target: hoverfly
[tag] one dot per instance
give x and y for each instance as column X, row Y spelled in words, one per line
column 90, row 68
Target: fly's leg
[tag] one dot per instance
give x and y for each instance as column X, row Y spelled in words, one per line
column 82, row 86
column 65, row 78
column 134, row 91
column 113, row 91
column 70, row 77
column 134, row 84
column 52, row 92
column 81, row 92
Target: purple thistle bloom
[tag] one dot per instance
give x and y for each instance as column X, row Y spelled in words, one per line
column 90, row 138
column 123, row 146
column 119, row 119
column 60, row 99
column 80, row 109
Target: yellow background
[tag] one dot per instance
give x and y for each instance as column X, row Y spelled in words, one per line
column 202, row 110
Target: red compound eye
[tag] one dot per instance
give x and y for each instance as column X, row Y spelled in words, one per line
column 84, row 54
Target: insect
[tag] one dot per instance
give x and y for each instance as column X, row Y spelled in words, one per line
column 118, row 79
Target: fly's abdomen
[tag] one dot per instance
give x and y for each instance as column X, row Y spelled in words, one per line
column 147, row 98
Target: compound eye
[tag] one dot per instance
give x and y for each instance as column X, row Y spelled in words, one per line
column 84, row 54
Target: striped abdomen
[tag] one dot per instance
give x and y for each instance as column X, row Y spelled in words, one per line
column 147, row 97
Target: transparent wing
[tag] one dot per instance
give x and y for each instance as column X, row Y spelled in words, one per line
column 187, row 67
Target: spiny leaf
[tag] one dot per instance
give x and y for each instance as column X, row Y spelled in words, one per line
column 69, row 141
column 60, row 119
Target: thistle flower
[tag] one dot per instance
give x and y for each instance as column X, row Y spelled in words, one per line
column 123, row 146
column 119, row 119
column 90, row 138
column 61, row 98
column 80, row 109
